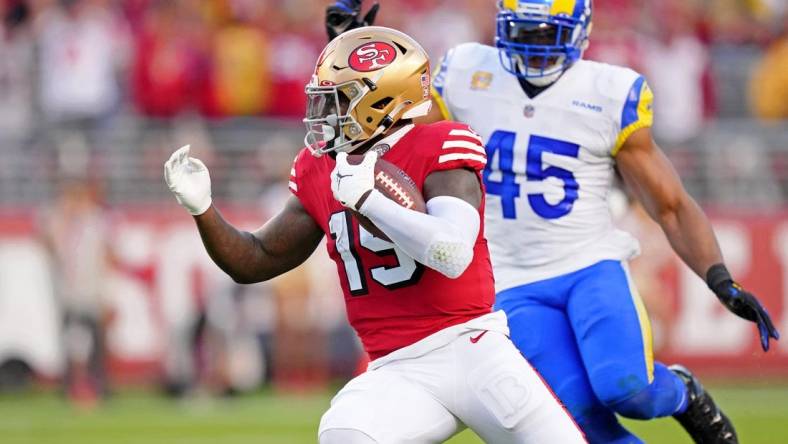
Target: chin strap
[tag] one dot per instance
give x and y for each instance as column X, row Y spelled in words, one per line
column 385, row 124
column 538, row 81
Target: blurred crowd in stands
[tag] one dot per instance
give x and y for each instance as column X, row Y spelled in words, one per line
column 83, row 60
column 81, row 77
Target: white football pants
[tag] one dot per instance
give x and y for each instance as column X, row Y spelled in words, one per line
column 466, row 375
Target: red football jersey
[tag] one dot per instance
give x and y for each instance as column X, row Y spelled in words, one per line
column 392, row 301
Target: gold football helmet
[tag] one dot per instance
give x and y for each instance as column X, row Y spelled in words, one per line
column 365, row 81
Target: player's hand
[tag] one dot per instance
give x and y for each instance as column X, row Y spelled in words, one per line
column 352, row 183
column 745, row 305
column 741, row 302
column 189, row 181
column 345, row 15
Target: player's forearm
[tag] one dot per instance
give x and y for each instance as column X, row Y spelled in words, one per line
column 443, row 239
column 238, row 253
column 690, row 234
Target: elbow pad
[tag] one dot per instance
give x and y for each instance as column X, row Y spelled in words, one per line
column 443, row 239
column 449, row 257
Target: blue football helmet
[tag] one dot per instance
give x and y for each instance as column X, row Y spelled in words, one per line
column 540, row 39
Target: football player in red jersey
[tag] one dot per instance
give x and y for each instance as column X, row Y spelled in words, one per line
column 421, row 301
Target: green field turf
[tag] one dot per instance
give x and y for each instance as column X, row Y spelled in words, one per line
column 761, row 415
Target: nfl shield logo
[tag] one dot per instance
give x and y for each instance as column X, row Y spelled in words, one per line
column 528, row 111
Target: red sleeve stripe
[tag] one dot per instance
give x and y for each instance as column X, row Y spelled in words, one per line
column 466, row 133
column 473, row 146
column 293, row 186
column 462, row 156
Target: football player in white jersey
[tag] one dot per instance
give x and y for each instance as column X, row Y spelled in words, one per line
column 556, row 128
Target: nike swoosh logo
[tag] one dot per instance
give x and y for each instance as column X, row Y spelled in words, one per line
column 476, row 338
column 341, row 176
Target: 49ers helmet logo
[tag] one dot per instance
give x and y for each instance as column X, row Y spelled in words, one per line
column 372, row 56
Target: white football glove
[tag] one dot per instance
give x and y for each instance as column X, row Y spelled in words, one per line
column 189, row 180
column 350, row 182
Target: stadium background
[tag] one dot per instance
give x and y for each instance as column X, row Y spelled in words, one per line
column 159, row 346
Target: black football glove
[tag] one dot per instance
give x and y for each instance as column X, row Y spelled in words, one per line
column 741, row 302
column 344, row 15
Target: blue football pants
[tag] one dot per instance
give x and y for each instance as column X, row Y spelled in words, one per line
column 588, row 334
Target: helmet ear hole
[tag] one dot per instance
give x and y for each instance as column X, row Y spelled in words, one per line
column 369, row 119
column 382, row 103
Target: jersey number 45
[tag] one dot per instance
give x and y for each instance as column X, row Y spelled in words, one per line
column 503, row 143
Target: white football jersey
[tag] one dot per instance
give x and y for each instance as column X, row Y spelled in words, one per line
column 550, row 159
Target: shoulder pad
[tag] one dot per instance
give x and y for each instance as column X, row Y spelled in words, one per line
column 451, row 145
column 611, row 81
column 303, row 163
column 470, row 55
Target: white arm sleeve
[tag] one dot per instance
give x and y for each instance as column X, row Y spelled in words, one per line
column 442, row 239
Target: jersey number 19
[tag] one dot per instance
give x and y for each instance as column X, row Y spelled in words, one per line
column 406, row 271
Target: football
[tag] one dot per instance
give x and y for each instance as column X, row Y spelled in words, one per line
column 394, row 184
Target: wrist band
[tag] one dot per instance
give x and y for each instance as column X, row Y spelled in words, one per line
column 718, row 274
